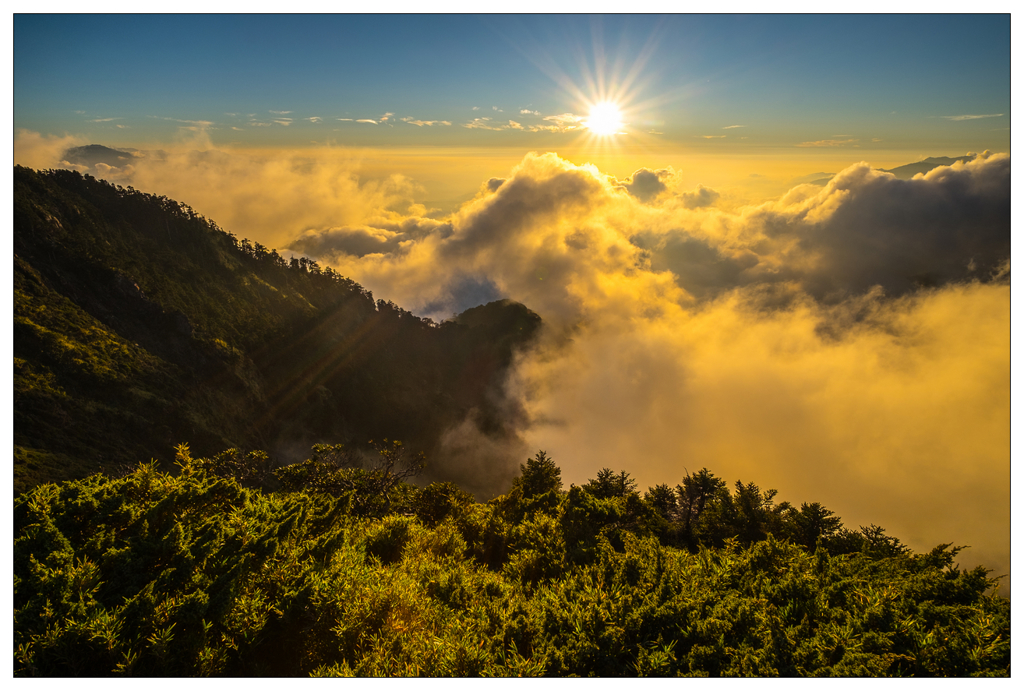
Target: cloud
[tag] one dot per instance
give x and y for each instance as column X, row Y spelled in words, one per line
column 488, row 124
column 284, row 121
column 524, row 111
column 425, row 123
column 732, row 127
column 700, row 197
column 646, row 184
column 34, row 150
column 386, row 116
column 930, row 227
column 372, row 122
column 314, row 119
column 481, row 124
column 560, row 123
column 204, row 124
column 105, row 119
column 829, row 142
column 565, row 121
column 279, row 112
column 970, row 117
column 384, row 237
column 271, row 199
column 712, row 136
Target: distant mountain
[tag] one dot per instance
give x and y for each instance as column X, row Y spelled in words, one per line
column 95, row 153
column 911, row 169
column 812, row 179
column 139, row 324
column 902, row 172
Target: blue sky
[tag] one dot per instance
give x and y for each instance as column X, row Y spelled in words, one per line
column 787, row 79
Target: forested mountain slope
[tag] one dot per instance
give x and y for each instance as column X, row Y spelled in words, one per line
column 139, row 324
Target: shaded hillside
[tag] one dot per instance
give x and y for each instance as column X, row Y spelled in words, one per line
column 139, row 324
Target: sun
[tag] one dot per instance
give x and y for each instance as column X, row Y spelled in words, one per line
column 604, row 119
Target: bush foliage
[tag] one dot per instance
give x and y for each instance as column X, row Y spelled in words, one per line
column 334, row 567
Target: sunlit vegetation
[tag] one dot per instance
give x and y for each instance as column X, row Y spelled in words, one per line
column 336, row 566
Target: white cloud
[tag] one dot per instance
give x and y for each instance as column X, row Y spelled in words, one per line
column 194, row 123
column 425, row 123
column 829, row 142
column 482, row 124
column 970, row 117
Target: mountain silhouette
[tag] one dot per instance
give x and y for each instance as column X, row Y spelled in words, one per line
column 139, row 324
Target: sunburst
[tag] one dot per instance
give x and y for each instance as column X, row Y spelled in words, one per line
column 605, row 119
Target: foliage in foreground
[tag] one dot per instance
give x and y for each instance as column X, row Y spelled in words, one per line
column 201, row 574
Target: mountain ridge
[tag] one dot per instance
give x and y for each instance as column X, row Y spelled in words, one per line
column 139, row 324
